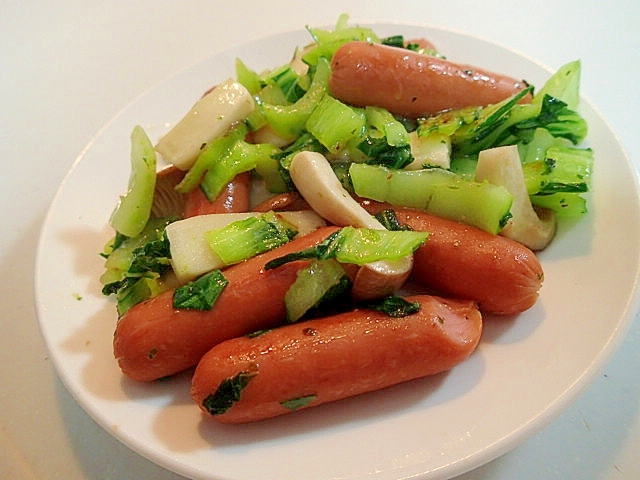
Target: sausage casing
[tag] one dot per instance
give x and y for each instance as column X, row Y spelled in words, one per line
column 326, row 359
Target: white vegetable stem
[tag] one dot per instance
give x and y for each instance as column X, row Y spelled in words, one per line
column 502, row 166
column 210, row 118
column 314, row 178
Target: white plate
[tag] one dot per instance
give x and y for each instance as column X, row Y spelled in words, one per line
column 524, row 372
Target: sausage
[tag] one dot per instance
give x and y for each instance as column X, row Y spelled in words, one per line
column 326, row 359
column 461, row 261
column 153, row 340
column 411, row 84
column 234, row 198
column 167, row 201
column 289, row 201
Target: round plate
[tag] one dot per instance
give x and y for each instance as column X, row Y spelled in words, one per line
column 525, row 370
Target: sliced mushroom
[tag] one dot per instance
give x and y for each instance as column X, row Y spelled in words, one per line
column 316, row 181
column 211, row 117
column 314, row 178
column 531, row 227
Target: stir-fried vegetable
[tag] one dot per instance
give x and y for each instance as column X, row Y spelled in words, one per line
column 271, row 123
column 191, row 255
column 322, row 281
column 359, row 246
column 135, row 267
column 502, row 166
column 441, row 192
column 134, row 209
column 249, row 237
column 209, row 118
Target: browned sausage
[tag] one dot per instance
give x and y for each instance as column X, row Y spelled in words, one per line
column 317, row 361
column 280, row 202
column 461, row 261
column 234, row 198
column 412, row 84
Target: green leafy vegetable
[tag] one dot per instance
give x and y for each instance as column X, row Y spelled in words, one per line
column 305, row 142
column 564, row 169
column 398, row 41
column 242, row 157
column 509, row 122
column 534, row 148
column 322, row 281
column 288, row 81
column 228, row 393
column 335, row 124
column 557, row 179
column 247, row 77
column 437, row 191
column 270, row 170
column 382, row 153
column 386, row 141
column 363, row 245
column 358, row 246
column 132, row 213
column 563, row 85
column 202, row 293
column 558, row 118
column 289, row 120
column 298, row 402
column 564, row 204
column 322, row 251
column 209, row 156
column 381, row 123
column 249, row 237
column 328, row 41
column 491, row 121
column 395, row 306
column 394, row 41
column 137, row 290
column 134, row 266
column 389, row 220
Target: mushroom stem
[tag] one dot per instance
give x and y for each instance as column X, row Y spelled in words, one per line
column 314, row 178
column 316, row 181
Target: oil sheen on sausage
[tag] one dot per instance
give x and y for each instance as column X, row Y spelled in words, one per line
column 326, row 359
column 411, row 84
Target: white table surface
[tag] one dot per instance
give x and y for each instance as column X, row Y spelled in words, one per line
column 67, row 67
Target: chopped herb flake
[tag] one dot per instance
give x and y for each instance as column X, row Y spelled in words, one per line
column 227, row 393
column 390, row 221
column 395, row 306
column 295, row 403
